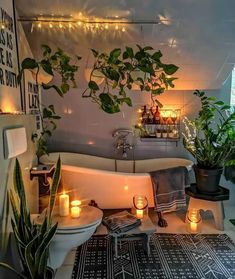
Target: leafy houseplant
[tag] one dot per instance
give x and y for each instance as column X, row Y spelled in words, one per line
column 122, row 71
column 32, row 240
column 210, row 138
column 56, row 64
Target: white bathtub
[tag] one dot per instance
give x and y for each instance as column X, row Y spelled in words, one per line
column 111, row 183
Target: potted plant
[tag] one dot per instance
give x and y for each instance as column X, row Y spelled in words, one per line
column 210, row 138
column 32, row 240
column 53, row 64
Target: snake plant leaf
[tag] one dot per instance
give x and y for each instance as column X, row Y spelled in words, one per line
column 42, row 249
column 18, row 183
column 13, row 270
column 29, row 257
column 14, row 206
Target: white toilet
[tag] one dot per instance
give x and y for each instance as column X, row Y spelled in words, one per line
column 72, row 232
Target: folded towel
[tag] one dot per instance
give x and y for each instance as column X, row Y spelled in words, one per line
column 121, row 222
column 169, row 188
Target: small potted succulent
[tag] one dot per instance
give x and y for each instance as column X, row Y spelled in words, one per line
column 210, row 138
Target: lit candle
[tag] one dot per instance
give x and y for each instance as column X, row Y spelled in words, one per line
column 193, row 227
column 76, row 203
column 139, row 213
column 75, row 211
column 64, row 205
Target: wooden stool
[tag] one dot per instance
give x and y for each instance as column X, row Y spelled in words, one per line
column 142, row 232
column 212, row 202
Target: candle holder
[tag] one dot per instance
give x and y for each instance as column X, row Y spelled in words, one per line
column 140, row 203
column 194, row 221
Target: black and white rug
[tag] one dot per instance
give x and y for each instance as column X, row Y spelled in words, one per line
column 180, row 256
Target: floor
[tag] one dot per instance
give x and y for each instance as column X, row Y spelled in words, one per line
column 175, row 225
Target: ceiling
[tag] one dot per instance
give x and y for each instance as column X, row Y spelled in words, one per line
column 199, row 35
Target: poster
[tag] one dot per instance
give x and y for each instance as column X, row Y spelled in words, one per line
column 10, row 91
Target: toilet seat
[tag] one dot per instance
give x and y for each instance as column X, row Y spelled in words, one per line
column 90, row 216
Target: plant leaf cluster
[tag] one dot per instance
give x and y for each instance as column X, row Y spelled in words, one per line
column 123, row 70
column 32, row 240
column 210, row 137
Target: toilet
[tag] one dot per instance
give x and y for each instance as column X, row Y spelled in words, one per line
column 72, row 232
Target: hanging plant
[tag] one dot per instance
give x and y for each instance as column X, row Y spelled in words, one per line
column 57, row 64
column 122, row 71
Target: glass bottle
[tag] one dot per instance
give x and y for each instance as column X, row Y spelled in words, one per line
column 151, row 116
column 157, row 116
column 144, row 116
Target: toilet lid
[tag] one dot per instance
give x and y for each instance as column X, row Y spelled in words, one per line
column 89, row 216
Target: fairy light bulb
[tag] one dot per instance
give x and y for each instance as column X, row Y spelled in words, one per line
column 97, row 25
column 60, row 25
column 50, row 25
column 70, row 25
column 116, row 27
column 106, row 26
column 123, row 29
column 79, row 23
column 39, row 25
column 2, row 26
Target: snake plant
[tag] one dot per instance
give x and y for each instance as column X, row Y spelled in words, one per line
column 32, row 240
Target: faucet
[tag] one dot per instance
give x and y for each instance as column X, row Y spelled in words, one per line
column 122, row 141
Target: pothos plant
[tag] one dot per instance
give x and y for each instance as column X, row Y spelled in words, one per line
column 122, row 70
column 57, row 64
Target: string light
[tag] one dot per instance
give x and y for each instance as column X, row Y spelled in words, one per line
column 50, row 25
column 123, row 29
column 39, row 25
column 60, row 25
column 116, row 27
column 79, row 23
column 106, row 26
column 70, row 25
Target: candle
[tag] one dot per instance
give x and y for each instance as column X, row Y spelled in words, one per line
column 139, row 213
column 76, row 203
column 75, row 211
column 64, row 205
column 193, row 227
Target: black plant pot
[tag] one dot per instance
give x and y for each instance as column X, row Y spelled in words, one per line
column 207, row 180
column 50, row 274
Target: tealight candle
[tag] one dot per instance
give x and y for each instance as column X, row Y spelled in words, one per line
column 64, row 204
column 75, row 211
column 139, row 213
column 76, row 203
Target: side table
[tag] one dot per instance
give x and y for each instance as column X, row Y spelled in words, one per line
column 142, row 232
column 209, row 201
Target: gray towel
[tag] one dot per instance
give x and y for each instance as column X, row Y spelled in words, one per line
column 169, row 188
column 121, row 222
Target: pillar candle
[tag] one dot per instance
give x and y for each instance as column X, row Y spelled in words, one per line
column 139, row 213
column 64, row 205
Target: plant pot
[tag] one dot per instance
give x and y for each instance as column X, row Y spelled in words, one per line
column 207, row 180
column 50, row 274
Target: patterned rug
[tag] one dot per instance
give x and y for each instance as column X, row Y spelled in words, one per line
column 180, row 256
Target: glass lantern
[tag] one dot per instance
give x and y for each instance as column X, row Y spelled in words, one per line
column 140, row 204
column 194, row 221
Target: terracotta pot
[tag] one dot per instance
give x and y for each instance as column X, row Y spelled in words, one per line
column 207, row 180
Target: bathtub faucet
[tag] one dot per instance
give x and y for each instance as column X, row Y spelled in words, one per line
column 122, row 143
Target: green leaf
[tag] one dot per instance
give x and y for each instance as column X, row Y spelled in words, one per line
column 147, row 48
column 46, row 65
column 127, row 100
column 52, row 108
column 78, row 57
column 95, row 52
column 125, row 55
column 158, row 103
column 158, row 91
column 219, row 103
column 29, row 63
column 57, row 89
column 46, row 49
column 170, row 69
column 93, row 85
column 157, row 55
column 114, row 54
column 13, row 270
column 65, row 87
column 130, row 52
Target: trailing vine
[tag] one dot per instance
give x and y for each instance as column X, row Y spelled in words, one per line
column 122, row 70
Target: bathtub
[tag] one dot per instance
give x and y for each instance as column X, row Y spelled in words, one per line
column 111, row 183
